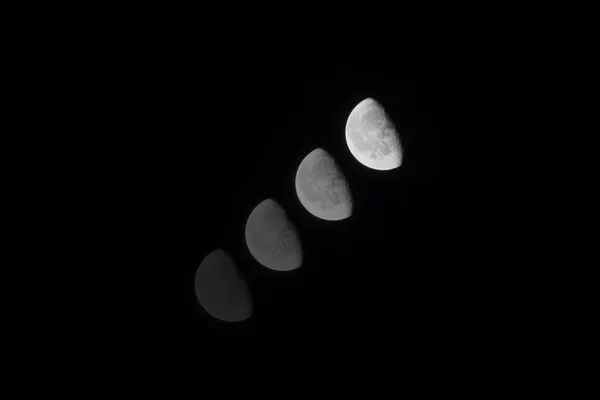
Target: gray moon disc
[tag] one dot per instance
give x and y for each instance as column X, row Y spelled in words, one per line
column 372, row 137
column 322, row 187
column 272, row 238
column 221, row 289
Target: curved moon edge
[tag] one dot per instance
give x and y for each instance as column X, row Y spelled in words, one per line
column 375, row 139
column 272, row 239
column 222, row 290
column 385, row 163
column 316, row 206
column 338, row 213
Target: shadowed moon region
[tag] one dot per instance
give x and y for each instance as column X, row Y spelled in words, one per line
column 221, row 289
column 272, row 238
column 322, row 188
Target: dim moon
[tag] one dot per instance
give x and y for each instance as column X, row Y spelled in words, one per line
column 271, row 237
column 322, row 188
column 221, row 288
column 372, row 137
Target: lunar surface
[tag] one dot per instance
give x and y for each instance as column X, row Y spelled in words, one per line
column 272, row 238
column 221, row 289
column 322, row 187
column 372, row 137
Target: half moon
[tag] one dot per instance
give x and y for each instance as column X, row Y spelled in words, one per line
column 322, row 188
column 221, row 289
column 372, row 137
column 272, row 238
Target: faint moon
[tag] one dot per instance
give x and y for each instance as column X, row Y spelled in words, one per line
column 272, row 238
column 221, row 288
column 372, row 137
column 322, row 188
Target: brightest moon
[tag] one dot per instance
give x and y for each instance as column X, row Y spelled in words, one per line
column 272, row 238
column 372, row 138
column 322, row 188
column 221, row 289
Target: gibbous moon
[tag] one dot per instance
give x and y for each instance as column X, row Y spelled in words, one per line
column 322, row 187
column 221, row 289
column 372, row 138
column 272, row 238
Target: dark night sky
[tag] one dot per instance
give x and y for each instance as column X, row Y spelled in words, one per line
column 208, row 140
column 168, row 132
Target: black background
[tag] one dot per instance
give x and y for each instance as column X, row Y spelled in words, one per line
column 160, row 133
column 198, row 140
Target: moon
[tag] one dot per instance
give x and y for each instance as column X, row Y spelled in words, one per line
column 372, row 137
column 272, row 238
column 221, row 289
column 322, row 188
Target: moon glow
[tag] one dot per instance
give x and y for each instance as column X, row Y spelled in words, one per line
column 322, row 187
column 272, row 238
column 221, row 289
column 372, row 137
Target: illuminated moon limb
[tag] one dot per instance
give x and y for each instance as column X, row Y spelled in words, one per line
column 272, row 239
column 322, row 187
column 372, row 137
column 221, row 289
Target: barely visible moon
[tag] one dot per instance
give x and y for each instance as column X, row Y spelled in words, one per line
column 272, row 238
column 322, row 187
column 372, row 137
column 221, row 288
